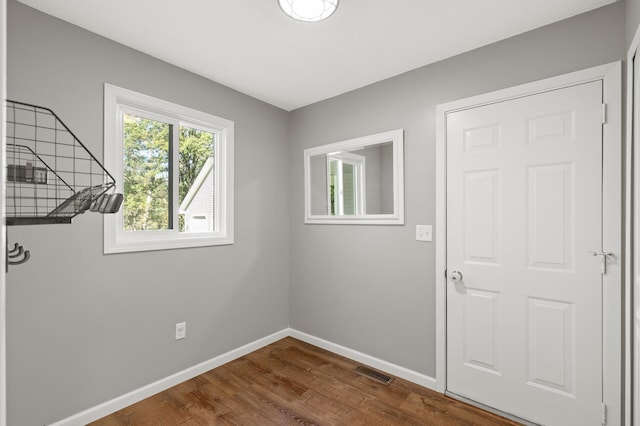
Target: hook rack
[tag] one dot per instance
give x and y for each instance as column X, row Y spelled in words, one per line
column 51, row 177
column 17, row 255
column 16, row 252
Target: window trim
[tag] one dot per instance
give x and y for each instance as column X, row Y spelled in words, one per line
column 118, row 100
column 396, row 138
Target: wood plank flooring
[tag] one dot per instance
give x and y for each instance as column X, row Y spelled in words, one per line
column 293, row 383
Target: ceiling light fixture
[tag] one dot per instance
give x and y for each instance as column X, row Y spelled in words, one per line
column 309, row 10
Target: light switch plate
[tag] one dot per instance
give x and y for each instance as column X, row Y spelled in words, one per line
column 181, row 330
column 424, row 233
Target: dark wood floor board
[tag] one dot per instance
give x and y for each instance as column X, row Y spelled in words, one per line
column 281, row 383
column 344, row 384
column 276, row 401
column 293, row 383
column 224, row 393
column 329, row 374
column 288, row 411
column 322, row 384
column 332, row 382
column 401, row 393
column 341, row 369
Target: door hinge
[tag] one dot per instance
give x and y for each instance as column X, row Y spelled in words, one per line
column 604, row 113
column 604, row 413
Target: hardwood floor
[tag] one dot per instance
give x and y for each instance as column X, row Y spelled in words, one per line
column 293, row 383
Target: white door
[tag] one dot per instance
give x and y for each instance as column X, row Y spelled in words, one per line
column 524, row 214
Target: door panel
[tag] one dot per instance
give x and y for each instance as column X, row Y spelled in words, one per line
column 555, row 128
column 550, row 216
column 551, row 345
column 481, row 334
column 481, row 216
column 524, row 213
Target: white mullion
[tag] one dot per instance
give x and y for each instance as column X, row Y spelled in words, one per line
column 356, row 190
column 174, row 175
column 119, row 164
column 219, row 187
column 339, row 197
column 328, row 186
column 362, row 187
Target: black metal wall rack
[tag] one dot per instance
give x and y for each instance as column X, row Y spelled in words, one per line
column 51, row 176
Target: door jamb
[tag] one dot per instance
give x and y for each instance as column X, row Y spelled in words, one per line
column 611, row 76
column 3, row 91
column 631, row 376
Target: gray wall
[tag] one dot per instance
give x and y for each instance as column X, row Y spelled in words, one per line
column 83, row 327
column 633, row 19
column 374, row 291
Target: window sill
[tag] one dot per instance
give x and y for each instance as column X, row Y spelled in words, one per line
column 114, row 247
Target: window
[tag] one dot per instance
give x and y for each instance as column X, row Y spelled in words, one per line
column 174, row 166
column 346, row 184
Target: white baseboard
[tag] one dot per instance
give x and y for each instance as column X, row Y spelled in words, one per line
column 106, row 408
column 387, row 367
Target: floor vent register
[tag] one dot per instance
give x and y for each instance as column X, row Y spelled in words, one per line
column 373, row 374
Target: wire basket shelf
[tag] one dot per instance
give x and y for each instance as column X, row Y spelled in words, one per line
column 51, row 176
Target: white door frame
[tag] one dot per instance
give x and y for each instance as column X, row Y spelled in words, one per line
column 611, row 75
column 3, row 95
column 632, row 115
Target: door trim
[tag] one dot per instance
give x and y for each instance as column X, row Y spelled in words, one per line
column 631, row 377
column 3, row 229
column 611, row 76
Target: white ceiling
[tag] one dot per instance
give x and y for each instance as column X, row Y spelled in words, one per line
column 251, row 46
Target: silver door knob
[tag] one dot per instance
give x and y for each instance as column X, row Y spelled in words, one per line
column 456, row 276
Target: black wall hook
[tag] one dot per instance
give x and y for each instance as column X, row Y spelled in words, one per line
column 17, row 255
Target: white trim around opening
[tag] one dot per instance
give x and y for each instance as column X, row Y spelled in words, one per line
column 3, row 230
column 631, row 400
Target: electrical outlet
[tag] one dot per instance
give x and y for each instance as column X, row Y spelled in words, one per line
column 181, row 330
column 424, row 233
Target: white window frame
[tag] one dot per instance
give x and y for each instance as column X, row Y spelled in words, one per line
column 358, row 162
column 118, row 101
column 396, row 137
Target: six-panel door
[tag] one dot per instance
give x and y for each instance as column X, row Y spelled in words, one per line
column 524, row 214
